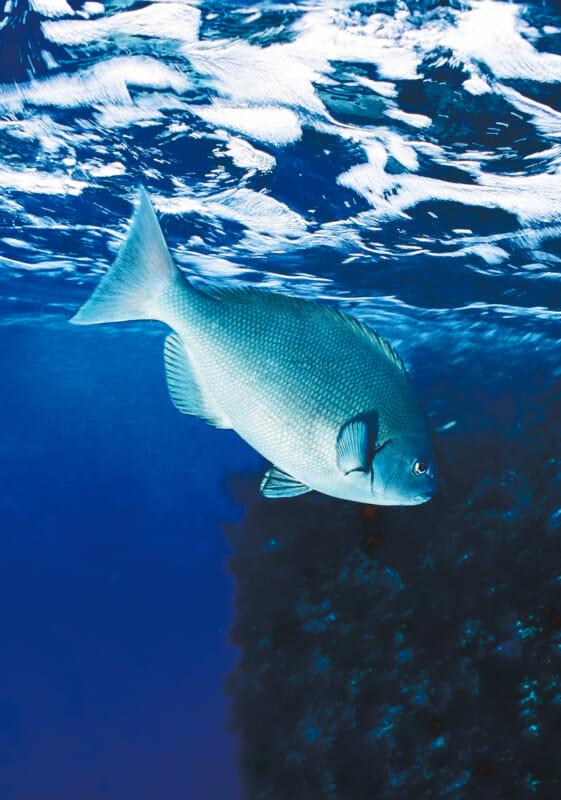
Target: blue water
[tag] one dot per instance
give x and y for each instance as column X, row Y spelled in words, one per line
column 167, row 633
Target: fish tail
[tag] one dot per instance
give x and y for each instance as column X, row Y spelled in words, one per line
column 133, row 286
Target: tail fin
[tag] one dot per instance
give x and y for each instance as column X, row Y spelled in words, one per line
column 131, row 288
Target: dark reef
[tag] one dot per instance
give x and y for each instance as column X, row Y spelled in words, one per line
column 409, row 653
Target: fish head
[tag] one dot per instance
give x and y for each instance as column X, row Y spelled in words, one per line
column 403, row 471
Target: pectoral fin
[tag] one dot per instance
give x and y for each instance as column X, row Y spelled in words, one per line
column 276, row 483
column 352, row 447
column 185, row 389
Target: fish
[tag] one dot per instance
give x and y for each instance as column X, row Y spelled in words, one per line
column 319, row 394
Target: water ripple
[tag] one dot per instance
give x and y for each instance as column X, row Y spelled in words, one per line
column 405, row 156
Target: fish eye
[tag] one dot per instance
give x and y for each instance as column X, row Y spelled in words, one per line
column 420, row 466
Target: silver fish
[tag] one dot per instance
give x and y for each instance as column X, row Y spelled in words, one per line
column 319, row 394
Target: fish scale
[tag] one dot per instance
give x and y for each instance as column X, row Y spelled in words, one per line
column 316, row 392
column 253, row 355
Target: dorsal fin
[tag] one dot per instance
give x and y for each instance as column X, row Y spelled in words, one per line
column 386, row 347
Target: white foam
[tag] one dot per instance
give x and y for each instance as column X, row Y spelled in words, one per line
column 52, row 8
column 106, row 82
column 36, row 182
column 249, row 75
column 492, row 254
column 389, row 43
column 175, row 21
column 245, row 156
column 545, row 118
column 397, row 147
column 123, row 116
column 415, row 120
column 256, row 83
column 105, row 170
column 19, row 243
column 55, row 265
column 545, row 256
column 254, row 210
column 92, row 8
column 494, row 33
column 51, row 136
column 48, row 59
column 531, row 198
column 209, row 266
column 267, row 93
column 476, row 85
column 271, row 124
column 384, row 88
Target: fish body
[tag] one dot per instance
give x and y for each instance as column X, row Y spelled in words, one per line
column 316, row 392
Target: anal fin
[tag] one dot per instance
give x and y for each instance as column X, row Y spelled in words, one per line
column 276, row 483
column 184, row 388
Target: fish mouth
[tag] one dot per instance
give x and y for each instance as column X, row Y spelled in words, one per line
column 416, row 500
column 404, row 500
column 422, row 498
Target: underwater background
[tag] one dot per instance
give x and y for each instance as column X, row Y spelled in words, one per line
column 166, row 632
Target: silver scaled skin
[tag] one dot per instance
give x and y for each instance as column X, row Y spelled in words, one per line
column 320, row 395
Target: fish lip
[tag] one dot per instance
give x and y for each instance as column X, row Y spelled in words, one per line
column 426, row 496
column 423, row 498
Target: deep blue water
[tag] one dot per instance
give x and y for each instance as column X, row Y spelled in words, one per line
column 167, row 633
